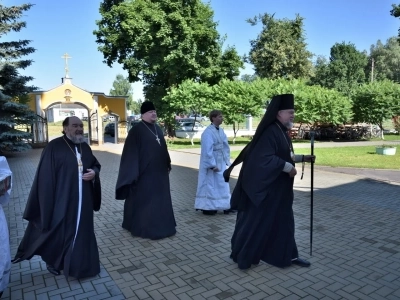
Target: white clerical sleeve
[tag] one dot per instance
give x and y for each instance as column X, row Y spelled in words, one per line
column 207, row 155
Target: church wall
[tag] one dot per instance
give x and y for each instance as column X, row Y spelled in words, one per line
column 115, row 105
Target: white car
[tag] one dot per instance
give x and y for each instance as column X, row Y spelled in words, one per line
column 188, row 126
column 199, row 118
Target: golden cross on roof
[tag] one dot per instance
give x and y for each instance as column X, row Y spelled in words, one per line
column 66, row 57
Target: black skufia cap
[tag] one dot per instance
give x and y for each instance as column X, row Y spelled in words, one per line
column 286, row 101
column 147, row 106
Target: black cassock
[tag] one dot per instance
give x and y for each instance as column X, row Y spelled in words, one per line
column 53, row 207
column 143, row 182
column 264, row 196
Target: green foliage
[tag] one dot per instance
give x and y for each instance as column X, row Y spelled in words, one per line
column 280, row 49
column 344, row 71
column 13, row 86
column 164, row 43
column 386, row 59
column 189, row 96
column 122, row 87
column 376, row 101
column 395, row 12
column 237, row 99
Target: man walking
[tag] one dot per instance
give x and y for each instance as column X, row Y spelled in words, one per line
column 213, row 192
column 64, row 193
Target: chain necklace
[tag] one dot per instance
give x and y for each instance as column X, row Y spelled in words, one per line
column 290, row 147
column 155, row 130
column 79, row 159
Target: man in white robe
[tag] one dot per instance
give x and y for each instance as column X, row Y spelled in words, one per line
column 213, row 192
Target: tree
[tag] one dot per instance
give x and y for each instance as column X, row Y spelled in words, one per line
column 376, row 102
column 386, row 59
column 237, row 100
column 344, row 71
column 122, row 87
column 395, row 12
column 280, row 49
column 163, row 43
column 13, row 86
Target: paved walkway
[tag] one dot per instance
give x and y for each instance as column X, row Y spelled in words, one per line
column 355, row 247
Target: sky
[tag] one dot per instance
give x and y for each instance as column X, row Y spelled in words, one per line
column 59, row 27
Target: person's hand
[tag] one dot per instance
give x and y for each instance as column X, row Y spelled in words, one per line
column 309, row 158
column 215, row 169
column 89, row 175
column 293, row 172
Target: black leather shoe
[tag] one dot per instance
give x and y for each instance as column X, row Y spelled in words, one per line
column 53, row 270
column 209, row 212
column 227, row 211
column 16, row 260
column 301, row 262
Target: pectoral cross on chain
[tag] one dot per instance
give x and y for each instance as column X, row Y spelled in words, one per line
column 158, row 140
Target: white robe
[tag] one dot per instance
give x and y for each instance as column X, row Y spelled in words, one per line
column 213, row 192
column 5, row 256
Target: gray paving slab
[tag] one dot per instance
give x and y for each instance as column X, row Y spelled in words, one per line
column 355, row 243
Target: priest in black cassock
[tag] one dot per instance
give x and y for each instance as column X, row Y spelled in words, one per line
column 264, row 192
column 143, row 180
column 65, row 192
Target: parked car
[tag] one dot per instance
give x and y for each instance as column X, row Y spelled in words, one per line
column 85, row 118
column 188, row 126
column 198, row 117
column 110, row 129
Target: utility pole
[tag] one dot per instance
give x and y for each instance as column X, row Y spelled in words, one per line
column 372, row 69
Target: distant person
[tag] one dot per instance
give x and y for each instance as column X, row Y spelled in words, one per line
column 143, row 180
column 65, row 191
column 5, row 256
column 264, row 192
column 213, row 193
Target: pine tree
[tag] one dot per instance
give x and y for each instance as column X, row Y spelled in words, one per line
column 13, row 86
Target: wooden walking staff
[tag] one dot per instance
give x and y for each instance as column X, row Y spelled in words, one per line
column 312, row 134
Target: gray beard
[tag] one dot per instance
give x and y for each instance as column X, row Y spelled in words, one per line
column 77, row 140
column 289, row 125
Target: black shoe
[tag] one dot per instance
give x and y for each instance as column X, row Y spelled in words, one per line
column 209, row 212
column 227, row 211
column 301, row 262
column 16, row 260
column 53, row 270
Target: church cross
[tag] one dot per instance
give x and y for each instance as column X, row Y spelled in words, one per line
column 66, row 57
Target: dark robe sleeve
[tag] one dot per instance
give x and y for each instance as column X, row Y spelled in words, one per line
column 40, row 203
column 96, row 184
column 129, row 166
column 263, row 166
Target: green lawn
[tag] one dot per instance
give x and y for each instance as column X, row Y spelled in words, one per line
column 354, row 157
column 179, row 143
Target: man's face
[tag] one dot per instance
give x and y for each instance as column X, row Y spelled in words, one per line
column 286, row 117
column 218, row 120
column 150, row 116
column 74, row 130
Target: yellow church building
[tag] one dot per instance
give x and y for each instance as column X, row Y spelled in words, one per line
column 97, row 105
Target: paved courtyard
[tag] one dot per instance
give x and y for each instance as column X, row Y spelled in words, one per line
column 356, row 243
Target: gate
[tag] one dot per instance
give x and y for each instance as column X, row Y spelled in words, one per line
column 40, row 132
column 93, row 130
column 123, row 128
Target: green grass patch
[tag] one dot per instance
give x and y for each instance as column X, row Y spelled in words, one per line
column 353, row 157
column 179, row 143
